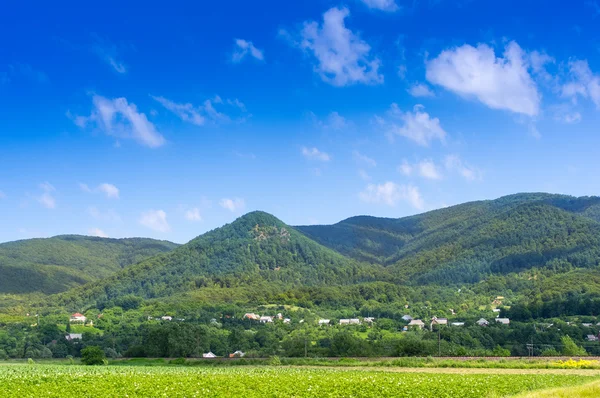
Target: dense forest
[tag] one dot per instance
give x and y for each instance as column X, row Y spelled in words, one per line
column 532, row 258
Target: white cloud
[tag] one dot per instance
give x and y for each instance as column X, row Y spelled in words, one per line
column 454, row 163
column 193, row 214
column 334, row 121
column 46, row 199
column 97, row 232
column 359, row 157
column 583, row 83
column 155, row 220
column 343, row 58
column 499, row 83
column 107, row 52
column 565, row 113
column 417, row 126
column 107, row 216
column 390, row 194
column 383, row 5
column 199, row 115
column 425, row 168
column 420, row 90
column 315, row 154
column 233, row 205
column 186, row 112
column 364, row 175
column 243, row 48
column 111, row 191
column 118, row 118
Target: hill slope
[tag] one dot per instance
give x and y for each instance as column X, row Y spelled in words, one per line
column 255, row 248
column 465, row 243
column 56, row 264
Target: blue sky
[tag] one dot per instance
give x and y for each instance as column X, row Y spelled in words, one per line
column 147, row 119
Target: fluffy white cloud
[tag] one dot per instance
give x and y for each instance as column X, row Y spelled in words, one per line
column 383, row 5
column 97, row 232
column 583, row 83
column 316, row 154
column 200, row 114
column 454, row 163
column 155, row 220
column 118, row 118
column 343, row 58
column 233, row 205
column 360, row 158
column 420, row 90
column 243, row 48
column 47, row 199
column 417, row 125
column 111, row 191
column 193, row 214
column 498, row 82
column 424, row 168
column 390, row 194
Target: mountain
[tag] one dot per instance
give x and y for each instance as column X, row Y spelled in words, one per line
column 466, row 243
column 56, row 264
column 253, row 249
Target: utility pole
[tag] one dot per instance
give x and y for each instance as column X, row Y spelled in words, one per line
column 439, row 343
column 305, row 347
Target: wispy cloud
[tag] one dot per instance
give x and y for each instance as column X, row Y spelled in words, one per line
column 342, row 57
column 583, row 82
column 118, row 118
column 155, row 220
column 425, row 168
column 454, row 163
column 417, row 126
column 390, row 194
column 360, row 158
column 233, row 205
column 207, row 112
column 47, row 199
column 108, row 53
column 97, row 232
column 111, row 191
column 315, row 154
column 383, row 5
column 193, row 215
column 243, row 48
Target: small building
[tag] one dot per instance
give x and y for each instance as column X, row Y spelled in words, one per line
column 166, row 318
column 417, row 322
column 77, row 317
column 407, row 318
column 287, row 320
column 457, row 324
column 587, row 325
column 74, row 336
column 369, row 319
column 496, row 310
column 325, row 321
column 503, row 321
column 482, row 322
column 237, row 354
column 266, row 319
column 439, row 321
column 353, row 321
column 280, row 316
column 251, row 315
column 592, row 337
column 209, row 355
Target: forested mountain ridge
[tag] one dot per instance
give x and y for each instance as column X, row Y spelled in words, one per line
column 255, row 247
column 52, row 265
column 467, row 242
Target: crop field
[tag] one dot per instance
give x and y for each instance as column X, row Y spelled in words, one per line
column 107, row 381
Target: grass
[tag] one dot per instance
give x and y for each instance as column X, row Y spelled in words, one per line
column 590, row 390
column 110, row 381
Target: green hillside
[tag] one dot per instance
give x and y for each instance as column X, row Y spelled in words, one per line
column 465, row 243
column 56, row 264
column 255, row 248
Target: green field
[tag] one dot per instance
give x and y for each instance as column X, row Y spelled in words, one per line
column 108, row 381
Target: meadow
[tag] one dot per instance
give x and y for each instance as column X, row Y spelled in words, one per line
column 110, row 381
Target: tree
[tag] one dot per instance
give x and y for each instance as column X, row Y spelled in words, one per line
column 92, row 355
column 570, row 348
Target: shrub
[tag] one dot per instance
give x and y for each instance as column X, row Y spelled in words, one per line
column 92, row 355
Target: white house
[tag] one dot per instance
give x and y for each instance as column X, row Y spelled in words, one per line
column 587, row 325
column 324, row 321
column 237, row 354
column 418, row 323
column 353, row 321
column 496, row 310
column 369, row 319
column 252, row 315
column 77, row 317
column 504, row 321
column 209, row 355
column 407, row 318
column 266, row 319
column 74, row 336
column 457, row 324
column 591, row 337
column 482, row 322
column 166, row 318
column 287, row 320
column 439, row 321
